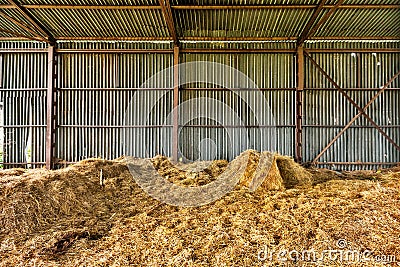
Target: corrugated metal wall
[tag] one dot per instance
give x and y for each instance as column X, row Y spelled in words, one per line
column 326, row 111
column 23, row 86
column 274, row 130
column 95, row 90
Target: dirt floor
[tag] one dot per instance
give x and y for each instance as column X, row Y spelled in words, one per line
column 94, row 214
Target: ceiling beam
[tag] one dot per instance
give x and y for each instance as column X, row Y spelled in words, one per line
column 16, row 34
column 33, row 21
column 20, row 24
column 311, row 31
column 202, row 7
column 216, row 39
column 167, row 12
column 105, row 7
column 223, row 7
column 310, row 23
column 114, row 38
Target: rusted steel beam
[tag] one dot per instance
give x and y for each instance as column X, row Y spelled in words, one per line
column 299, row 103
column 357, row 50
column 20, row 24
column 50, row 112
column 119, row 89
column 24, row 36
column 22, row 163
column 356, row 126
column 113, row 126
column 361, row 110
column 169, row 19
column 116, row 51
column 305, row 33
column 211, row 39
column 311, row 31
column 33, row 21
column 355, row 38
column 197, row 38
column 243, row 7
column 202, row 7
column 237, row 89
column 102, row 7
column 112, row 38
column 204, row 51
column 235, row 51
column 175, row 129
column 349, row 89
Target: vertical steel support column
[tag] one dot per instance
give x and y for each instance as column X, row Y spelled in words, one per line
column 175, row 130
column 50, row 116
column 299, row 103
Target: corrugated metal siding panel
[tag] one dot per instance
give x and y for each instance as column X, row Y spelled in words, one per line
column 326, row 112
column 242, row 23
column 23, row 94
column 112, row 45
column 362, row 22
column 91, row 2
column 95, row 91
column 244, row 2
column 265, row 70
column 378, row 44
column 11, row 26
column 243, row 45
column 103, row 23
column 268, row 71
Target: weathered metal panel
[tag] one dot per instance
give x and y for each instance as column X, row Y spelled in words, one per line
column 95, row 92
column 23, row 97
column 272, row 74
column 326, row 111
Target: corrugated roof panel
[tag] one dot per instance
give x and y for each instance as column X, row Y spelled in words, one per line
column 6, row 24
column 362, row 22
column 281, row 2
column 244, row 2
column 242, row 23
column 103, row 23
column 90, row 2
column 370, row 2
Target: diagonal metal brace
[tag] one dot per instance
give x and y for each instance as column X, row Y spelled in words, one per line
column 361, row 110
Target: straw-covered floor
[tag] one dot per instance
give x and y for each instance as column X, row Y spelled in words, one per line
column 94, row 214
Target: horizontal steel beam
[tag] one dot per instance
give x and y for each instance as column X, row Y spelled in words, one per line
column 236, row 51
column 116, row 51
column 200, row 51
column 207, row 39
column 200, row 7
column 357, row 163
column 22, row 50
column 358, row 50
column 114, row 126
column 241, row 7
column 22, row 163
column 352, row 126
column 113, row 38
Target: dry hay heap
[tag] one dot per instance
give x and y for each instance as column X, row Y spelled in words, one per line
column 283, row 171
column 275, row 172
column 94, row 214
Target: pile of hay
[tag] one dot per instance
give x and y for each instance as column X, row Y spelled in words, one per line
column 194, row 174
column 93, row 214
column 283, row 172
